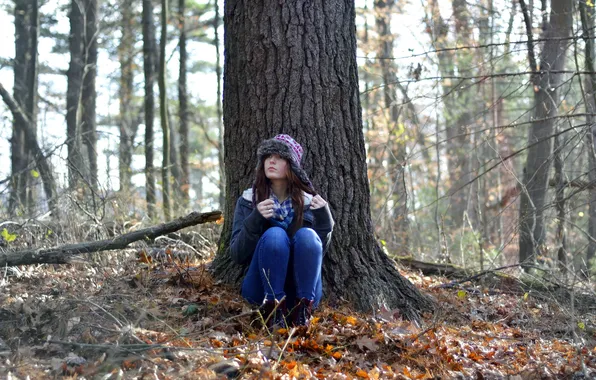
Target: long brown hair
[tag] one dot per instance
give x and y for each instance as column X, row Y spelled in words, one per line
column 295, row 189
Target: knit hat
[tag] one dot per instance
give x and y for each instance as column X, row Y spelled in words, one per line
column 287, row 148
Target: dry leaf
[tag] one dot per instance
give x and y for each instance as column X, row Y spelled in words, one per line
column 367, row 342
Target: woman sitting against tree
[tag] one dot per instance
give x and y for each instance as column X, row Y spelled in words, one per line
column 281, row 228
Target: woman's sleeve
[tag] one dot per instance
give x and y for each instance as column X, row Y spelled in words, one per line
column 247, row 229
column 323, row 225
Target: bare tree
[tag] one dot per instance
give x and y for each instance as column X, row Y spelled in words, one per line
column 163, row 108
column 183, row 104
column 587, row 21
column 25, row 95
column 73, row 92
column 89, row 92
column 149, row 69
column 128, row 123
column 220, row 152
column 398, row 193
column 536, row 171
column 457, row 100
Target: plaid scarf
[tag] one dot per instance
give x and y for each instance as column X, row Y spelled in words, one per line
column 283, row 212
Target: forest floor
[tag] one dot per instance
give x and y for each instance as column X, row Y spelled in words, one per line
column 127, row 318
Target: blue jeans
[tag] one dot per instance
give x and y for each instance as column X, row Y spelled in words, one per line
column 283, row 267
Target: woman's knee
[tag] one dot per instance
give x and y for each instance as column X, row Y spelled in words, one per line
column 275, row 239
column 307, row 238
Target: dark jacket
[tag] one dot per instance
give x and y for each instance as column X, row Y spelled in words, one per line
column 249, row 225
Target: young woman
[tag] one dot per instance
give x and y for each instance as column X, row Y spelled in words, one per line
column 280, row 232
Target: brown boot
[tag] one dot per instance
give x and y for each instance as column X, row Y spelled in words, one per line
column 302, row 312
column 274, row 314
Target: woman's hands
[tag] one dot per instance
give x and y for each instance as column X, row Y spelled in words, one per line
column 266, row 208
column 317, row 202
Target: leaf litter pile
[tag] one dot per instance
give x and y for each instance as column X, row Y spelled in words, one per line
column 134, row 317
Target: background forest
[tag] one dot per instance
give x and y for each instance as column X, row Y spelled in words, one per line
column 460, row 138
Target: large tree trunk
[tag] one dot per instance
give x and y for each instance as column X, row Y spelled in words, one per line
column 399, row 225
column 184, row 184
column 149, row 69
column 73, row 92
column 89, row 93
column 536, row 170
column 292, row 68
column 163, row 110
column 128, row 124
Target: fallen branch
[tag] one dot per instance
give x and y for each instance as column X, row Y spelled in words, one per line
column 431, row 269
column 478, row 275
column 65, row 253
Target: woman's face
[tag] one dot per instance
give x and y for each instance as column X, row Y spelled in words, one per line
column 275, row 167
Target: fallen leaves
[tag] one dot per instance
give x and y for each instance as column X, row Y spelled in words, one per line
column 190, row 326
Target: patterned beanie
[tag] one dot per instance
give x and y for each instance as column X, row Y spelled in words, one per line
column 287, row 148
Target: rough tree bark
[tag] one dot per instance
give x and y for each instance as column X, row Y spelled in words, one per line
column 536, row 169
column 149, row 69
column 291, row 67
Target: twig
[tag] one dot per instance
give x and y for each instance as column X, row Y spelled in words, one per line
column 292, row 331
column 90, row 215
column 9, row 222
column 102, row 309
